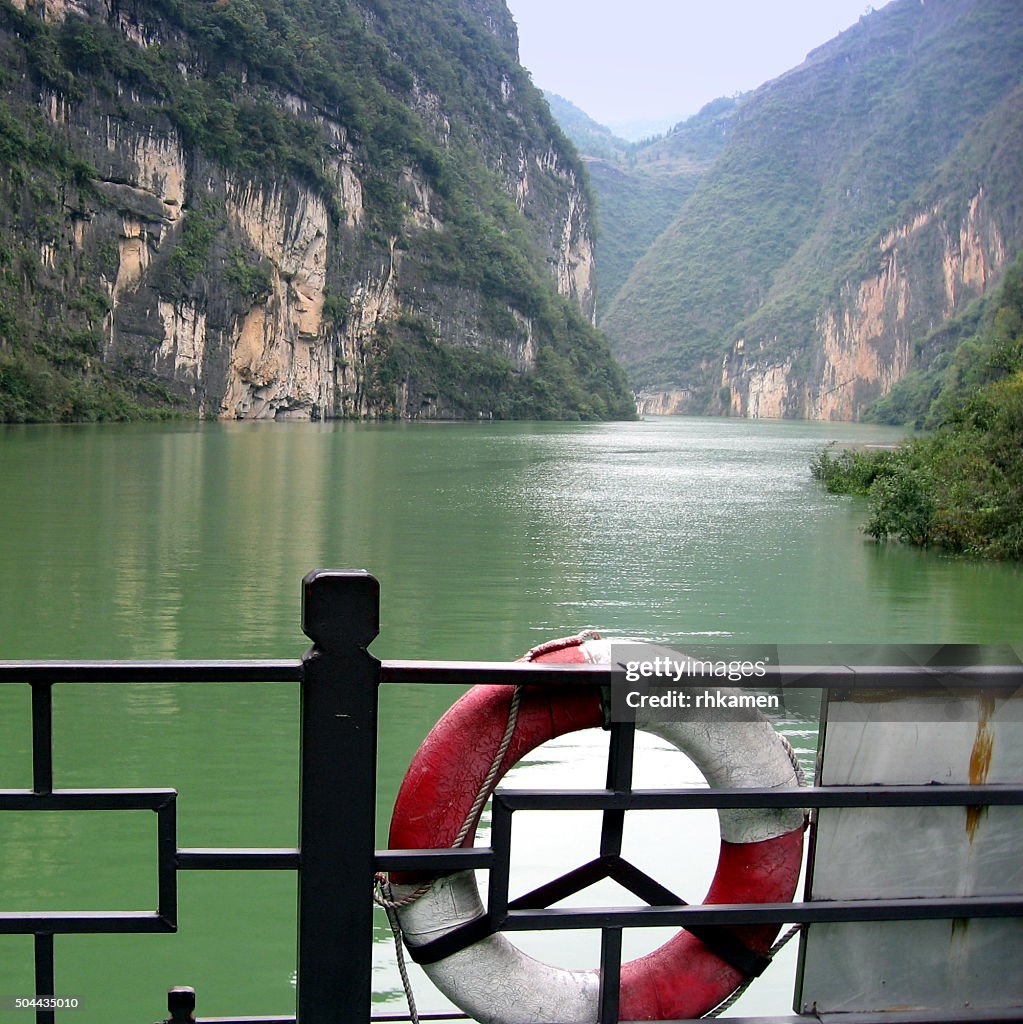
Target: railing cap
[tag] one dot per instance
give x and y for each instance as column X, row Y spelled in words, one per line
column 340, row 608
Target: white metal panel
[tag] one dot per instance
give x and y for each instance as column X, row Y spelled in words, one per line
column 920, row 739
column 897, row 852
column 916, row 852
column 913, row 965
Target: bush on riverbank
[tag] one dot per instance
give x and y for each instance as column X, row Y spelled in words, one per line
column 35, row 390
column 960, row 488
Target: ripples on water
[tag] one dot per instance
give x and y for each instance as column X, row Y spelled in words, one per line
column 190, row 540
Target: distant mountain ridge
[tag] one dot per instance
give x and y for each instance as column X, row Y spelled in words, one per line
column 638, row 130
column 640, row 187
column 841, row 215
column 589, row 136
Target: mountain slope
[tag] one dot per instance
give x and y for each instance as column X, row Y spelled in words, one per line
column 588, row 136
column 264, row 210
column 640, row 187
column 855, row 208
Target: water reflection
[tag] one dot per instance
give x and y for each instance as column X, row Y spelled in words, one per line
column 190, row 540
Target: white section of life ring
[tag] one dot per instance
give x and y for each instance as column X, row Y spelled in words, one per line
column 494, row 981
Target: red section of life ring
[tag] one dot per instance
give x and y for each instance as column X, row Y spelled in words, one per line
column 680, row 979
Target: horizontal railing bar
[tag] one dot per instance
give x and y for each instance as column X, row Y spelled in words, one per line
column 497, row 673
column 967, row 1015
column 964, row 1016
column 85, row 799
column 865, row 677
column 386, row 1018
column 491, row 672
column 461, row 859
column 817, row 677
column 246, row 671
column 77, row 922
column 703, row 798
column 884, row 677
column 455, row 672
column 248, row 1020
column 825, row 911
column 237, row 859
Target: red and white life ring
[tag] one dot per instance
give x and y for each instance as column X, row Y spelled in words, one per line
column 495, row 982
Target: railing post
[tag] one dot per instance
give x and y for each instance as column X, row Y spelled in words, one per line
column 181, row 1005
column 340, row 614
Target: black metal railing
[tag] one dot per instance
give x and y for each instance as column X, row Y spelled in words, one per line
column 335, row 859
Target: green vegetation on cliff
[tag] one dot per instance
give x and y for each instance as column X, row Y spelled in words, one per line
column 277, row 94
column 818, row 167
column 56, row 373
column 640, row 187
column 961, row 487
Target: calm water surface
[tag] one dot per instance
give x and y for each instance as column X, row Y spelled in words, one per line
column 191, row 541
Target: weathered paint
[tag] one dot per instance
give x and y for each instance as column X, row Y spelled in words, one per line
column 866, row 853
column 980, row 762
column 493, row 980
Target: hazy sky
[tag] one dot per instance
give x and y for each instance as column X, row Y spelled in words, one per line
column 623, row 60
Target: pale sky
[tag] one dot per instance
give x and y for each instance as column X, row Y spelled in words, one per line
column 621, row 60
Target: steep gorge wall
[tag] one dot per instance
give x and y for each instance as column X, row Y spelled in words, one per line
column 927, row 270
column 860, row 200
column 255, row 295
column 266, row 353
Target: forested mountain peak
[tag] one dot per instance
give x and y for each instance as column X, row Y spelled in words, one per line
column 857, row 202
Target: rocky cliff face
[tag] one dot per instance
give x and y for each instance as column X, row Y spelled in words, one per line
column 944, row 254
column 860, row 201
column 664, row 402
column 338, row 289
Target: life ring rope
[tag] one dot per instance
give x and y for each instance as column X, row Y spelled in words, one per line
column 381, row 882
column 383, row 894
column 450, row 933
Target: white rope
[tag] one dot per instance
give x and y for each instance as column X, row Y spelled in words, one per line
column 495, row 767
column 383, row 894
column 399, row 955
column 733, row 998
column 801, row 778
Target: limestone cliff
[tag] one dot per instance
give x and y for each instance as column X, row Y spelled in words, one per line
column 948, row 250
column 260, row 232
column 859, row 201
column 664, row 402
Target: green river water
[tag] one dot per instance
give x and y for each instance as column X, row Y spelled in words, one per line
column 191, row 540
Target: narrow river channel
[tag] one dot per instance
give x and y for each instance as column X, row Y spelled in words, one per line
column 191, row 540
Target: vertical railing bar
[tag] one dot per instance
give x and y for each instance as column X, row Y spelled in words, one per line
column 44, row 976
column 610, row 974
column 500, row 870
column 619, row 780
column 620, row 756
column 337, row 798
column 612, row 833
column 166, row 861
column 42, row 737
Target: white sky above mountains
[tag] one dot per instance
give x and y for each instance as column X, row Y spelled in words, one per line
column 661, row 60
